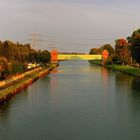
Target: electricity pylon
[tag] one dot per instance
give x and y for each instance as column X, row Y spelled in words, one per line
column 35, row 39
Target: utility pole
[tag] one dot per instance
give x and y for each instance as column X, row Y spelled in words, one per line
column 33, row 39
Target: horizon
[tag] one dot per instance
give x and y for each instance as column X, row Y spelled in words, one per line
column 75, row 26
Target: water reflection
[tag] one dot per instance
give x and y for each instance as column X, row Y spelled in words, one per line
column 135, row 95
column 125, row 82
column 8, row 105
column 54, row 71
column 53, row 80
column 123, row 79
column 5, row 106
column 105, row 78
column 4, row 111
column 136, row 84
column 77, row 101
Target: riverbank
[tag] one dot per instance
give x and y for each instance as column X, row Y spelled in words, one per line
column 134, row 71
column 29, row 77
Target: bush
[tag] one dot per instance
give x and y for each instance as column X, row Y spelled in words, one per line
column 108, row 62
column 17, row 68
column 116, row 60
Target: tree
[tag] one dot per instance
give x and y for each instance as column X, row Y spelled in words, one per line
column 33, row 57
column 17, row 56
column 107, row 47
column 39, row 56
column 134, row 43
column 4, row 68
column 1, row 48
column 94, row 51
column 122, row 51
column 45, row 57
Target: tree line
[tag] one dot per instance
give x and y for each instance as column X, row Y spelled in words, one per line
column 14, row 57
column 126, row 51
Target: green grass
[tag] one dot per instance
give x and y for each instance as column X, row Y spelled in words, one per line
column 95, row 62
column 125, row 69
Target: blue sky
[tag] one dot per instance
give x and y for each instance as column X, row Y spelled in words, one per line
column 69, row 22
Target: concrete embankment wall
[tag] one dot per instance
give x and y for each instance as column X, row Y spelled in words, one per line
column 15, row 88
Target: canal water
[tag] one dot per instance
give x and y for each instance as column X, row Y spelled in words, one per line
column 77, row 101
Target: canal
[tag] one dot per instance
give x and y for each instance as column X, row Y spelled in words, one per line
column 77, row 101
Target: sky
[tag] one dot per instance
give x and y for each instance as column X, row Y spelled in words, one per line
column 68, row 25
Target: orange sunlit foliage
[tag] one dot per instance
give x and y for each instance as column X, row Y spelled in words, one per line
column 121, row 42
column 122, row 51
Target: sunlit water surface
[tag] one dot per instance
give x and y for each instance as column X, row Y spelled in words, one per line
column 77, row 101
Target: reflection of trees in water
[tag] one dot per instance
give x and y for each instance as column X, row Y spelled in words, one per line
column 131, row 87
column 136, row 84
column 136, row 91
column 135, row 102
column 128, row 98
column 4, row 109
column 4, row 118
column 122, row 80
column 7, row 105
column 123, row 84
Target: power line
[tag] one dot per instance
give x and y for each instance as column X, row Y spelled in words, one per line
column 52, row 45
column 76, row 43
column 83, row 38
column 35, row 38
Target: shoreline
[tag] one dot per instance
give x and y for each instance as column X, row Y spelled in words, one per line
column 23, row 83
column 129, row 70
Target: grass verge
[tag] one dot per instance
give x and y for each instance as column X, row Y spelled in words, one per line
column 130, row 70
